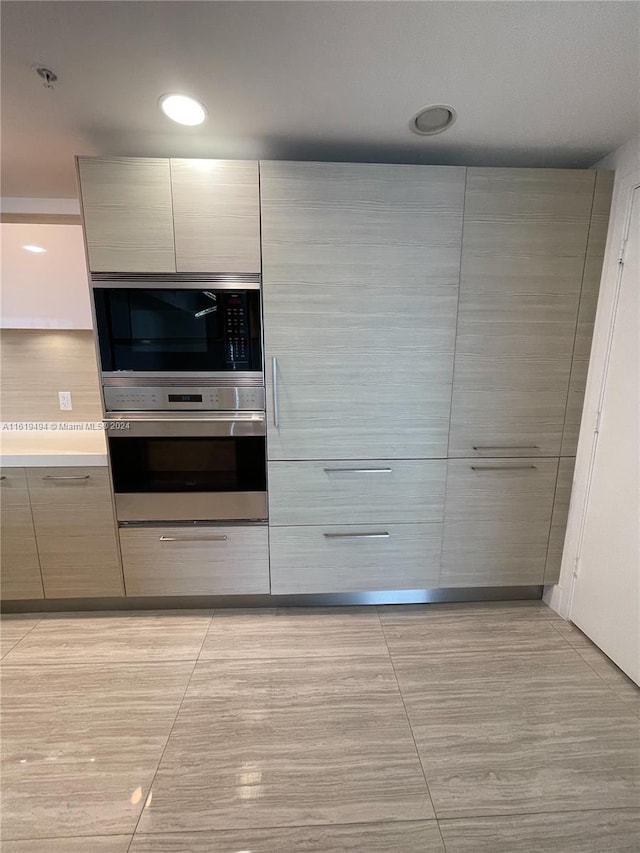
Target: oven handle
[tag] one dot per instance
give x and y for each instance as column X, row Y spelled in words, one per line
column 193, row 538
column 274, row 388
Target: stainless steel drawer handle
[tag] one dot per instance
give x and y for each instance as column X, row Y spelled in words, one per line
column 358, row 470
column 77, row 477
column 502, row 467
column 479, row 448
column 382, row 535
column 274, row 391
column 193, row 538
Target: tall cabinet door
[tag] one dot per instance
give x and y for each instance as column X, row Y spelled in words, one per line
column 20, row 576
column 360, row 277
column 523, row 253
column 216, row 209
column 128, row 216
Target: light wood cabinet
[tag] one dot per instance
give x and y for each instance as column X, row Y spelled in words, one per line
column 195, row 561
column 154, row 215
column 353, row 492
column 128, row 215
column 354, row 558
column 19, row 565
column 497, row 520
column 360, row 278
column 559, row 517
column 587, row 310
column 75, row 532
column 216, row 215
column 523, row 252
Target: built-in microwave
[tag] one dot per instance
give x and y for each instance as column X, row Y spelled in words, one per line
column 204, row 328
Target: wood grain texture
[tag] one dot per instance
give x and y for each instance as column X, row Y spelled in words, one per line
column 303, row 560
column 197, row 564
column 510, row 422
column 296, row 742
column 559, row 517
column 13, row 488
column 505, row 733
column 497, row 522
column 76, row 532
column 600, row 831
column 36, row 364
column 383, row 490
column 216, row 214
column 329, row 409
column 587, row 310
column 20, row 567
column 361, row 267
column 394, row 837
column 96, row 844
column 525, row 236
column 127, row 212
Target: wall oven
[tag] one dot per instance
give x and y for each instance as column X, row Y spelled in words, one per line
column 161, row 332
column 200, row 467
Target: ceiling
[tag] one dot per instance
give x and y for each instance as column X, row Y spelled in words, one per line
column 534, row 83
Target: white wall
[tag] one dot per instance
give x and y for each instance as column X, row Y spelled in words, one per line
column 626, row 163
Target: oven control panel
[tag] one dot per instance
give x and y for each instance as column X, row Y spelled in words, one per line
column 182, row 399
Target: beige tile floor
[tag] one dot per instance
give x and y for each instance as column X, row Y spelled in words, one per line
column 492, row 728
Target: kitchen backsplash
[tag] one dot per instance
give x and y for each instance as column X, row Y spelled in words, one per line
column 36, row 364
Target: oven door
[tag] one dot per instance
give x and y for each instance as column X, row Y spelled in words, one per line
column 189, row 469
column 159, row 330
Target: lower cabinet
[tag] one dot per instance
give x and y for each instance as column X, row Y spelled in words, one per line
column 559, row 519
column 497, row 521
column 196, row 560
column 20, row 576
column 76, row 532
column 354, row 558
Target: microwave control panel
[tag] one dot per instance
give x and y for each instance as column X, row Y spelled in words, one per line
column 236, row 329
column 182, row 399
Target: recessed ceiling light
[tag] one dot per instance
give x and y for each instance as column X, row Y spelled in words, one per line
column 182, row 109
column 36, row 250
column 433, row 119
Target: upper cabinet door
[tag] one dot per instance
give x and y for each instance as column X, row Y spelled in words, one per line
column 216, row 209
column 523, row 254
column 128, row 216
column 360, row 287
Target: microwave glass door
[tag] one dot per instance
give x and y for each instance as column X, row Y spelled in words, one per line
column 181, row 330
column 188, row 464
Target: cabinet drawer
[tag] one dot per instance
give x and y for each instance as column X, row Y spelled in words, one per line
column 356, row 492
column 497, row 518
column 75, row 531
column 13, row 487
column 349, row 558
column 195, row 560
column 18, row 554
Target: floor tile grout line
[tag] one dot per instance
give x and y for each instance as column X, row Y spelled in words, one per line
column 173, row 725
column 413, row 738
column 15, row 645
column 586, row 662
column 632, row 809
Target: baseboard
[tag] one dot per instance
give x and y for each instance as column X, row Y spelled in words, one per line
column 405, row 596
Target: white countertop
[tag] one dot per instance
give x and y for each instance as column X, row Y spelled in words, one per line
column 51, row 448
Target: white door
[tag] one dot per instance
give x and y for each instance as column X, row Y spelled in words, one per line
column 606, row 598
